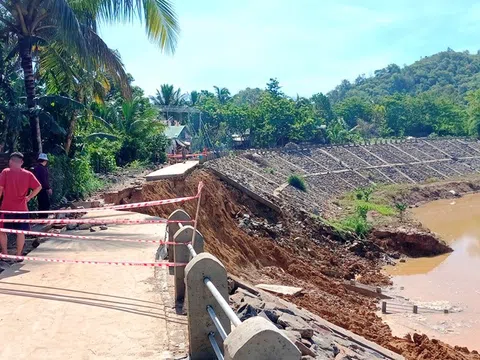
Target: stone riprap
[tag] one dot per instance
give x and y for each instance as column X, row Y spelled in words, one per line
column 332, row 170
column 314, row 337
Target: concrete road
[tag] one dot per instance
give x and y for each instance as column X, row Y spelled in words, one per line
column 178, row 170
column 75, row 311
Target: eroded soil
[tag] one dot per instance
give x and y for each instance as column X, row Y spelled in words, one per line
column 254, row 242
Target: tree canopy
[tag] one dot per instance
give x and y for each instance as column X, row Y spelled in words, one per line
column 436, row 96
column 65, row 92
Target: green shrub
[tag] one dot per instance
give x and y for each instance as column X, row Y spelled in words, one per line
column 362, row 211
column 102, row 155
column 356, row 224
column 135, row 165
column 297, row 182
column 84, row 181
column 71, row 178
column 401, row 208
column 155, row 148
column 130, row 150
column 364, row 193
column 59, row 178
column 102, row 161
column 150, row 149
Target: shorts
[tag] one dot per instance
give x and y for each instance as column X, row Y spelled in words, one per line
column 14, row 226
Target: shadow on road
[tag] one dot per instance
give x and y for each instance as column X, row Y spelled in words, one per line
column 136, row 309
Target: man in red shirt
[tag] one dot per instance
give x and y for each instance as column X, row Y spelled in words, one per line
column 15, row 184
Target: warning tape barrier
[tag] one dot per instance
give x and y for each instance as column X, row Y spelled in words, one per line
column 112, row 207
column 176, row 156
column 94, row 262
column 84, row 237
column 95, row 221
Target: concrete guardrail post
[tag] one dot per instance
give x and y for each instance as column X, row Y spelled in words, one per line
column 181, row 254
column 258, row 338
column 198, row 297
column 178, row 215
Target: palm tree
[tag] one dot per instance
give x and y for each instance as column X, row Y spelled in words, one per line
column 130, row 119
column 63, row 74
column 194, row 98
column 223, row 94
column 167, row 96
column 72, row 25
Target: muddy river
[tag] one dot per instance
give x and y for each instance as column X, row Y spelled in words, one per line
column 445, row 282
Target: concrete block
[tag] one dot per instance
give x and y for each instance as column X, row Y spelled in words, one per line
column 259, row 339
column 198, row 297
column 296, row 323
column 304, row 349
column 179, row 215
column 182, row 255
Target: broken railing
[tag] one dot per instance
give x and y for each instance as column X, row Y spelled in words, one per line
column 203, row 286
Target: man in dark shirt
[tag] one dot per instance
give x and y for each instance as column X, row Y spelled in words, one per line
column 41, row 173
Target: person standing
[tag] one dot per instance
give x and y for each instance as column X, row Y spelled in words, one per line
column 41, row 173
column 15, row 185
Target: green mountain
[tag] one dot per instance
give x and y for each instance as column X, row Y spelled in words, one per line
column 449, row 73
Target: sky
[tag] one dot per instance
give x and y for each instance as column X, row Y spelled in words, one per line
column 310, row 46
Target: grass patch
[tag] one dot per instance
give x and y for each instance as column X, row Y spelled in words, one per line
column 356, row 206
column 355, row 223
column 297, row 182
column 384, row 210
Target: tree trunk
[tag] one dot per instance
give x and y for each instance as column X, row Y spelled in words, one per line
column 71, row 131
column 27, row 66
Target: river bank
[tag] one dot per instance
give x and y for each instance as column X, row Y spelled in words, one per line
column 434, row 249
column 450, row 281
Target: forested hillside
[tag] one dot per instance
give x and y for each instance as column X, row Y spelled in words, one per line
column 448, row 73
column 436, row 96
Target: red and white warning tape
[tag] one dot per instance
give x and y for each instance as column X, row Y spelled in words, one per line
column 179, row 156
column 83, row 237
column 110, row 207
column 72, row 221
column 94, row 221
column 94, row 262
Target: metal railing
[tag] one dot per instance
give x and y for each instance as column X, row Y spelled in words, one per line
column 225, row 307
column 203, row 285
column 221, row 301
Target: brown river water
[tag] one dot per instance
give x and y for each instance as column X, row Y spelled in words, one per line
column 449, row 281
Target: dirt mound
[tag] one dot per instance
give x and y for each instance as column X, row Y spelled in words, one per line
column 256, row 243
column 412, row 243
